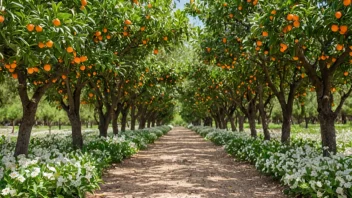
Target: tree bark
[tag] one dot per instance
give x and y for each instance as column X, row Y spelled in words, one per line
column 343, row 117
column 233, row 126
column 241, row 123
column 286, row 127
column 124, row 113
column 262, row 112
column 76, row 126
column 13, row 126
column 133, row 117
column 115, row 126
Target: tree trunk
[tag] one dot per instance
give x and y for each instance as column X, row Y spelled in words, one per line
column 124, row 113
column 24, row 134
column 252, row 125
column 115, row 127
column 76, row 126
column 328, row 133
column 286, row 127
column 59, row 123
column 262, row 113
column 49, row 125
column 133, row 117
column 153, row 123
column 307, row 121
column 233, row 126
column 241, row 123
column 343, row 118
column 104, row 121
column 13, row 126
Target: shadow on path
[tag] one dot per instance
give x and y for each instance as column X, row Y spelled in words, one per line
column 182, row 164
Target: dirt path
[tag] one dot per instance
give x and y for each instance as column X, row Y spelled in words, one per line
column 182, row 164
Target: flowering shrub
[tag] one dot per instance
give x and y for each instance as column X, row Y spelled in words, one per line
column 300, row 165
column 53, row 169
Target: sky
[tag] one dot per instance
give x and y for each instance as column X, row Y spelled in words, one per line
column 180, row 5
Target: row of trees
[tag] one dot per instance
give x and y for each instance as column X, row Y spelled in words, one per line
column 274, row 49
column 100, row 53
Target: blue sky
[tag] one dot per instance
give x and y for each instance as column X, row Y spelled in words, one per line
column 180, row 5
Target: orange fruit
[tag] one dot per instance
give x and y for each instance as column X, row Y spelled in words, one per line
column 105, row 30
column 208, row 49
column 231, row 15
column 83, row 58
column 77, row 60
column 56, row 22
column 346, row 2
column 125, row 33
column 147, row 17
column 108, row 37
column 239, row 8
column 30, row 70
column 334, row 28
column 156, row 51
column 295, row 58
column 41, row 45
column 296, row 40
column 63, row 76
column 296, row 24
column 97, row 33
column 144, row 42
column 149, row 5
column 35, row 69
column 338, row 15
column 224, row 40
column 225, row 4
column 47, row 67
column 165, row 38
column 345, row 73
column 30, row 27
column 259, row 43
column 50, row 44
column 128, row 22
column 84, row 2
column 69, row 49
column 13, row 66
column 343, row 28
column 339, row 47
column 38, row 28
column 82, row 67
column 273, row 12
column 295, row 17
column 290, row 17
column 265, row 34
column 14, row 75
column 2, row 19
column 142, row 28
column 91, row 95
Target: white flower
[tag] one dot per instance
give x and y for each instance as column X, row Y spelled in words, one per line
column 13, row 192
column 339, row 191
column 319, row 194
column 319, row 184
column 5, row 191
column 49, row 176
column 14, row 174
column 21, row 178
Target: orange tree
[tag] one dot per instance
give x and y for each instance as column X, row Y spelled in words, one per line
column 34, row 37
column 317, row 35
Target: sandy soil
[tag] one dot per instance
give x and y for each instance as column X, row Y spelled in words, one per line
column 181, row 164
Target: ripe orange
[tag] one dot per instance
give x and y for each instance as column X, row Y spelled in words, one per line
column 30, row 70
column 290, row 17
column 346, row 2
column 13, row 66
column 47, row 67
column 296, row 24
column 273, row 12
column 56, row 22
column 295, row 58
column 83, row 58
column 334, row 28
column 69, row 49
column 165, row 38
column 82, row 67
column 30, row 27
column 128, row 22
column 38, row 28
column 50, row 44
column 156, row 51
column 147, row 17
column 63, row 76
column 77, row 60
column 149, row 5
column 339, row 47
column 265, row 34
column 259, row 43
column 2, row 19
column 108, row 37
column 142, row 28
column 231, row 15
column 345, row 73
column 41, row 45
column 97, row 33
column 14, row 75
column 125, row 33
column 84, row 2
column 295, row 17
column 225, row 4
column 239, row 8
column 35, row 69
column 343, row 28
column 91, row 95
column 105, row 30
column 224, row 40
column 338, row 15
